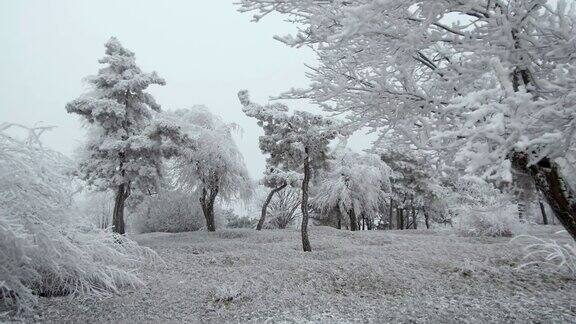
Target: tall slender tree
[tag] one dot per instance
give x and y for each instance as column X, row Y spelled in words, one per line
column 295, row 141
column 126, row 143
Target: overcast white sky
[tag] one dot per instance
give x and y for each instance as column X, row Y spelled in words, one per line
column 205, row 50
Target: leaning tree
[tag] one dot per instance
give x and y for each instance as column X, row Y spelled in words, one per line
column 126, row 142
column 277, row 180
column 211, row 166
column 295, row 141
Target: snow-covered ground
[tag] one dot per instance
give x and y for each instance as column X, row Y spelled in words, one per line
column 376, row 276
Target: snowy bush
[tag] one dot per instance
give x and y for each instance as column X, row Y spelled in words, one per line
column 169, row 211
column 45, row 247
column 235, row 221
column 173, row 211
column 283, row 208
column 483, row 210
column 495, row 222
column 551, row 253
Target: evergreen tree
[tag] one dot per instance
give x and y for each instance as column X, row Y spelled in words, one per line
column 295, row 142
column 126, row 142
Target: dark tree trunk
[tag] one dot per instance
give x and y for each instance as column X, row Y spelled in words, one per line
column 304, row 228
column 118, row 216
column 543, row 211
column 265, row 206
column 426, row 219
column 546, row 173
column 414, row 218
column 339, row 224
column 521, row 206
column 353, row 221
column 557, row 192
column 400, row 218
column 523, row 190
column 391, row 215
column 207, row 200
column 363, row 222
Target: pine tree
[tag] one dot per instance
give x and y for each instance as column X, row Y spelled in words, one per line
column 126, row 143
column 295, row 142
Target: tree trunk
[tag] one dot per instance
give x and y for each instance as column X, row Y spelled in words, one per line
column 118, row 215
column 353, row 221
column 414, row 218
column 207, row 200
column 304, row 228
column 426, row 219
column 363, row 222
column 543, row 211
column 339, row 224
column 391, row 215
column 557, row 192
column 400, row 218
column 265, row 206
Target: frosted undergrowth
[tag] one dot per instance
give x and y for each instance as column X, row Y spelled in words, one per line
column 47, row 248
column 551, row 253
column 376, row 276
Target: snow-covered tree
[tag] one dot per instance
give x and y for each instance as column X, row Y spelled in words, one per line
column 295, row 141
column 126, row 143
column 413, row 181
column 210, row 164
column 489, row 82
column 277, row 180
column 355, row 185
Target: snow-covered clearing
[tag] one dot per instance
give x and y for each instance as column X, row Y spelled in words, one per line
column 376, row 276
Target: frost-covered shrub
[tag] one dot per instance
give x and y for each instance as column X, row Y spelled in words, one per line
column 551, row 253
column 502, row 221
column 483, row 210
column 46, row 248
column 169, row 211
column 283, row 209
column 225, row 293
column 235, row 221
column 173, row 211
